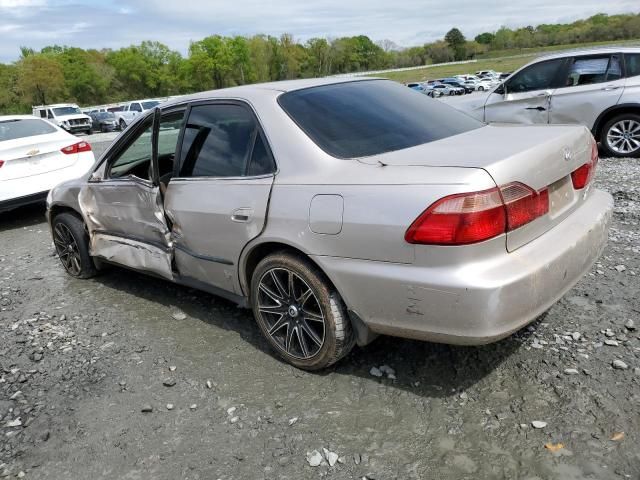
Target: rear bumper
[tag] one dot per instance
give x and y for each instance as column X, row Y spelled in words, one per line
column 479, row 302
column 11, row 191
column 6, row 205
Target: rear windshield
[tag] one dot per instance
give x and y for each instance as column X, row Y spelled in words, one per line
column 364, row 118
column 12, row 129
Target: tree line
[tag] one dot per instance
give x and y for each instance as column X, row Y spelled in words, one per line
column 151, row 69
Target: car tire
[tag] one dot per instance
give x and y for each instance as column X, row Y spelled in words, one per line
column 123, row 124
column 451, row 93
column 307, row 324
column 71, row 242
column 614, row 130
column 481, row 89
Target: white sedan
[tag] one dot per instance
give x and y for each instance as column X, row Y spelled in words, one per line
column 35, row 156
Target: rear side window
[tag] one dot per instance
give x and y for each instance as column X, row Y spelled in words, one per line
column 364, row 118
column 223, row 141
column 13, row 129
column 632, row 64
column 594, row 69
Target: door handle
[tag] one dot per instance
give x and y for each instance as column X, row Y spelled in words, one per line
column 242, row 214
column 540, row 109
column 610, row 87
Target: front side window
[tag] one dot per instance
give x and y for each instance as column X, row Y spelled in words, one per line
column 372, row 117
column 539, row 76
column 594, row 69
column 223, row 140
column 135, row 159
column 135, row 107
column 632, row 64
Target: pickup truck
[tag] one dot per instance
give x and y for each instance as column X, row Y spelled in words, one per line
column 132, row 109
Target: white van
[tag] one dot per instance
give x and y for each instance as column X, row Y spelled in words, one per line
column 65, row 115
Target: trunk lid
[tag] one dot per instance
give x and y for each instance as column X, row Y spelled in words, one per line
column 538, row 156
column 25, row 157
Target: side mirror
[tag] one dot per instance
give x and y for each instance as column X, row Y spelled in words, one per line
column 501, row 89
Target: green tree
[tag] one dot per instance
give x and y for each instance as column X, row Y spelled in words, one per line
column 440, row 52
column 485, row 38
column 40, row 79
column 456, row 41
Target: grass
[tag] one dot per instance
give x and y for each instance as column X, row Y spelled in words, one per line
column 441, row 71
column 500, row 60
column 554, row 48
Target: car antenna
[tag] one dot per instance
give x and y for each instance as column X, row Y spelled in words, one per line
column 382, row 164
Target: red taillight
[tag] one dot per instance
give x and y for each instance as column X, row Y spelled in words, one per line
column 523, row 204
column 1, row 163
column 473, row 217
column 76, row 148
column 582, row 176
column 460, row 219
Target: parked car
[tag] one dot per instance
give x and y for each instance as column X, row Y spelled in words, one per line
column 425, row 88
column 488, row 73
column 36, row 155
column 104, row 121
column 125, row 116
column 65, row 115
column 339, row 209
column 504, row 76
column 448, row 89
column 598, row 88
column 478, row 85
column 454, row 82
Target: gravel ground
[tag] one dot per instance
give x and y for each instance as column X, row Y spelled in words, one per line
column 130, row 377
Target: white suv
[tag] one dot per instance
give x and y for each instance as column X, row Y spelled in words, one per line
column 599, row 88
column 65, row 115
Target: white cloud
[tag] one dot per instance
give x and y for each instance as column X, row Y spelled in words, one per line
column 116, row 23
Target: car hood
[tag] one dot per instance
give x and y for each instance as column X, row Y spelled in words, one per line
column 468, row 103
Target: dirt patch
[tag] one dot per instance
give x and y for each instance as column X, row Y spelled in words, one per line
column 87, row 357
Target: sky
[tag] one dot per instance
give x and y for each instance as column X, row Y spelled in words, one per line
column 117, row 23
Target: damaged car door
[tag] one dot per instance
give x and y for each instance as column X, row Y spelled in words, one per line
column 218, row 200
column 526, row 96
column 122, row 202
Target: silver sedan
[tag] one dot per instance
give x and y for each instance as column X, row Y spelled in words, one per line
column 342, row 209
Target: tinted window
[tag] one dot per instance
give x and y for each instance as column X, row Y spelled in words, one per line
column 149, row 105
column 357, row 119
column 217, row 141
column 12, row 129
column 632, row 64
column 261, row 163
column 135, row 107
column 539, row 76
column 595, row 69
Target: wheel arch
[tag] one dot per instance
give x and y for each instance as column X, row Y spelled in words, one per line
column 58, row 208
column 256, row 252
column 611, row 112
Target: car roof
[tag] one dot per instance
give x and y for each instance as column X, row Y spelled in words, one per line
column 257, row 89
column 589, row 51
